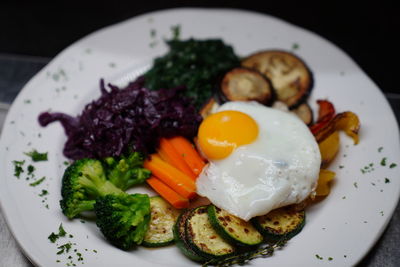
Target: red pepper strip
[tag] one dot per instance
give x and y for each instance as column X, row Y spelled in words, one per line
column 326, row 113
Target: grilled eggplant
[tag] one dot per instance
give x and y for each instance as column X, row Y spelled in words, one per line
column 243, row 84
column 290, row 76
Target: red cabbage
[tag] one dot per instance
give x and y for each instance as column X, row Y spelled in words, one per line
column 122, row 120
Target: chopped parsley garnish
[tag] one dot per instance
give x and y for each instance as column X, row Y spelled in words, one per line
column 387, row 180
column 355, row 184
column 176, row 32
column 37, row 156
column 380, row 149
column 38, row 182
column 64, row 248
column 383, row 162
column 30, row 169
column 18, row 167
column 43, row 193
column 318, row 257
column 330, row 258
column 53, row 236
column 295, row 46
column 392, row 165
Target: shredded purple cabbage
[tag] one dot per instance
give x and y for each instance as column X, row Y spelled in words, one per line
column 121, row 120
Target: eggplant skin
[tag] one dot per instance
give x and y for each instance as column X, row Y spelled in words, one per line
column 244, row 84
column 291, row 78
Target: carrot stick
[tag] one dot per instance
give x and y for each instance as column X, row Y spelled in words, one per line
column 174, row 178
column 189, row 153
column 167, row 193
column 170, row 155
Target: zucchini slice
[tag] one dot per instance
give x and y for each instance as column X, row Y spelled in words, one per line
column 162, row 220
column 181, row 241
column 289, row 75
column 280, row 223
column 202, row 237
column 304, row 112
column 243, row 84
column 232, row 228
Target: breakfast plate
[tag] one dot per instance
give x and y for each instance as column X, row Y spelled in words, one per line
column 339, row 230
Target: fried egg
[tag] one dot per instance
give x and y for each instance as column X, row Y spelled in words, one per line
column 260, row 159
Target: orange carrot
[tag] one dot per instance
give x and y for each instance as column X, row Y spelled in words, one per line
column 189, row 153
column 174, row 178
column 170, row 155
column 167, row 193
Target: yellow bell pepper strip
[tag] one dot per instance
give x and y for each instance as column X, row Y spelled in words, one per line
column 329, row 147
column 325, row 177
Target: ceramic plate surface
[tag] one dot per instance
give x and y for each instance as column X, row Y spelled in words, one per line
column 339, row 230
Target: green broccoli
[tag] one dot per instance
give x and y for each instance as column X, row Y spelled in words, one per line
column 123, row 218
column 82, row 183
column 126, row 171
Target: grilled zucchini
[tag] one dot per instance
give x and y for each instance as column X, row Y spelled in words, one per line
column 282, row 223
column 202, row 237
column 289, row 75
column 162, row 220
column 181, row 240
column 232, row 228
column 243, row 84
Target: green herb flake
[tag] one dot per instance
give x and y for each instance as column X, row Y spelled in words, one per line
column 30, row 169
column 330, row 258
column 37, row 156
column 319, row 257
column 383, row 162
column 387, row 180
column 153, row 33
column 27, row 101
column 38, row 182
column 392, row 165
column 64, row 248
column 341, row 166
column 381, row 212
column 295, row 46
column 53, row 237
column 18, row 167
column 176, row 32
column 380, row 149
column 43, row 193
column 355, row 184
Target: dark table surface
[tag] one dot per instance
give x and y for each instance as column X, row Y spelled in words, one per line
column 32, row 35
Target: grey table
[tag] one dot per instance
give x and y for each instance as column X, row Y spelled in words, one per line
column 15, row 71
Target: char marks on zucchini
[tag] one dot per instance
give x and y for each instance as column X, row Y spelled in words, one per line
column 233, row 229
column 282, row 223
column 162, row 219
column 244, row 84
column 202, row 237
column 289, row 75
column 181, row 240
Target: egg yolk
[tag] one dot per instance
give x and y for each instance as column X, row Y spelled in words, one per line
column 220, row 133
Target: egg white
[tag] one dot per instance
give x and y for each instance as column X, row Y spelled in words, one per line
column 279, row 168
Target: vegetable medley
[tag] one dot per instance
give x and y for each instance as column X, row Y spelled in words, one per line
column 146, row 133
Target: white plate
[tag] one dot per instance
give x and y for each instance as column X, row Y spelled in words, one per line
column 341, row 229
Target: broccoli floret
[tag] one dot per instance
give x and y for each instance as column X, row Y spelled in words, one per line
column 123, row 219
column 126, row 171
column 82, row 183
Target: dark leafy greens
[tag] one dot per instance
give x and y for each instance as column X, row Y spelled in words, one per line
column 197, row 64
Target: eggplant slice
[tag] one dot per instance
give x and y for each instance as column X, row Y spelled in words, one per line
column 304, row 112
column 209, row 107
column 243, row 84
column 289, row 75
